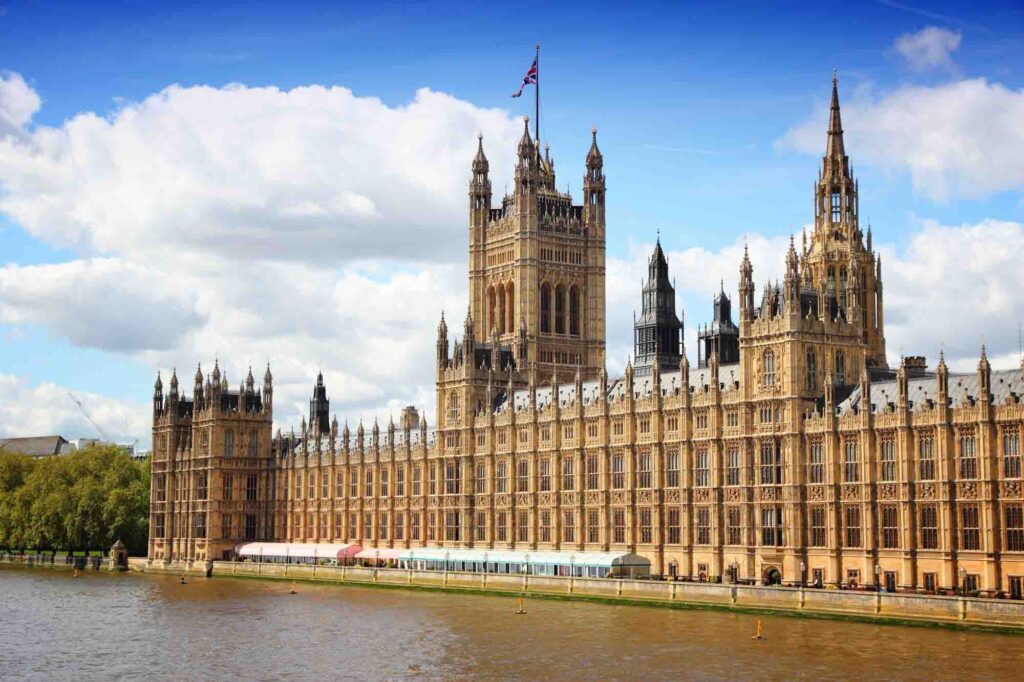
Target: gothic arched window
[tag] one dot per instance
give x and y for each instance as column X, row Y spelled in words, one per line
column 574, row 311
column 836, row 207
column 492, row 302
column 840, row 369
column 812, row 371
column 560, row 309
column 510, row 307
column 453, row 407
column 769, row 368
column 545, row 308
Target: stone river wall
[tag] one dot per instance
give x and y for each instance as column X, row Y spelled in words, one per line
column 1001, row 614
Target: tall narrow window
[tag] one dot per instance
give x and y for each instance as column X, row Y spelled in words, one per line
column 734, row 526
column 501, row 477
column 593, row 526
column 812, row 372
column 840, row 369
column 645, row 526
column 644, row 470
column 619, row 526
column 929, row 527
column 574, row 311
column 559, row 309
column 771, row 527
column 1011, row 454
column 968, row 456
column 501, row 521
column 771, row 463
column 888, row 460
column 816, row 467
column 890, row 527
column 510, row 307
column 703, row 526
column 732, row 471
column 229, row 443
column 701, row 474
column 545, row 475
column 837, row 207
column 545, row 308
column 853, row 526
column 569, row 526
column 672, row 468
column 481, row 478
column 817, row 538
column 592, row 472
column 926, row 458
column 618, row 471
column 769, row 368
column 851, row 465
column 1014, row 528
column 569, row 473
column 970, row 531
column 523, row 482
column 673, row 536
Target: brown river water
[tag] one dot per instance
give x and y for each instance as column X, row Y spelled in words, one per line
column 101, row 626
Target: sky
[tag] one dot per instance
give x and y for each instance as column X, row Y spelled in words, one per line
column 286, row 183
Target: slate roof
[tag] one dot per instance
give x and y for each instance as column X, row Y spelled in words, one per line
column 36, row 446
column 923, row 392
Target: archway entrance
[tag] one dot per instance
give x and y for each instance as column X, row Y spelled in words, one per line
column 772, row 576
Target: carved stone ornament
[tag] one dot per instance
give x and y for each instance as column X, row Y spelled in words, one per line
column 926, row 491
column 732, row 494
column 1011, row 489
column 768, row 494
column 569, row 498
column 645, row 496
column 816, row 492
column 701, row 495
column 522, row 499
column 672, row 495
column 851, row 492
column 501, row 500
column 593, row 497
column 968, row 491
column 619, row 497
column 887, row 491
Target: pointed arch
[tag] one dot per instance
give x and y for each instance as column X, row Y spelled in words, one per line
column 510, row 307
column 574, row 310
column 499, row 323
column 491, row 303
column 560, row 309
column 545, row 308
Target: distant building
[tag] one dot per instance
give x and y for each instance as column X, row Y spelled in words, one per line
column 37, row 446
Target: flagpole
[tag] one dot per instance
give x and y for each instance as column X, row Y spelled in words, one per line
column 536, row 101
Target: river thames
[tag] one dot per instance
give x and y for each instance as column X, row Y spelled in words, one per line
column 56, row 627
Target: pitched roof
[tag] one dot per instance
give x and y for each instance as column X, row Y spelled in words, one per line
column 35, row 446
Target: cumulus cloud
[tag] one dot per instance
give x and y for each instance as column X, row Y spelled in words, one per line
column 929, row 48
column 312, row 173
column 18, row 103
column 99, row 303
column 46, row 409
column 961, row 139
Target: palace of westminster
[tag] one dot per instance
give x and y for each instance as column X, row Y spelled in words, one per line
column 790, row 453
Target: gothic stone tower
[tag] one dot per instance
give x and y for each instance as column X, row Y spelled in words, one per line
column 656, row 334
column 537, row 263
column 211, row 485
column 808, row 343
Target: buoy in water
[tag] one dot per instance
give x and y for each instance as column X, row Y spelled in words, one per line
column 520, row 611
column 75, row 573
column 183, row 580
column 293, row 590
column 757, row 633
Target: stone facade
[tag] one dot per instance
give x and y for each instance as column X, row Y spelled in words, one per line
column 805, row 459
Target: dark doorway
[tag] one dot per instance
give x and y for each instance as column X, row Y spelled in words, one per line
column 773, row 577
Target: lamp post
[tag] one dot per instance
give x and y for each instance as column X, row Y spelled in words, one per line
column 878, row 576
column 963, row 582
column 803, row 574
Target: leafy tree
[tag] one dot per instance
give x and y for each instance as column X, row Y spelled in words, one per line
column 83, row 501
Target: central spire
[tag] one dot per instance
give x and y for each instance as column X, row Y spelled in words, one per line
column 835, row 148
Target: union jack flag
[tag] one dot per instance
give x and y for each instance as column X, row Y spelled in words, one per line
column 529, row 79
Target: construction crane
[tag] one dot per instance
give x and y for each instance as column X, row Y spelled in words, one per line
column 86, row 413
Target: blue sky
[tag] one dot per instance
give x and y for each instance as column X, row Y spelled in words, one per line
column 700, row 111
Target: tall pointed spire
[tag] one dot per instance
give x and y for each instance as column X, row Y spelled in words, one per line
column 835, row 147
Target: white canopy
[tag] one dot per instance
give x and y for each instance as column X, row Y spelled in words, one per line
column 538, row 558
column 296, row 550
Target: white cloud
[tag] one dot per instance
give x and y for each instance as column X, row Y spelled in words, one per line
column 46, row 409
column 957, row 140
column 99, row 303
column 929, row 48
column 18, row 102
column 312, row 173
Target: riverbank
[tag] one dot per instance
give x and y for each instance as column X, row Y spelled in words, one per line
column 873, row 607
